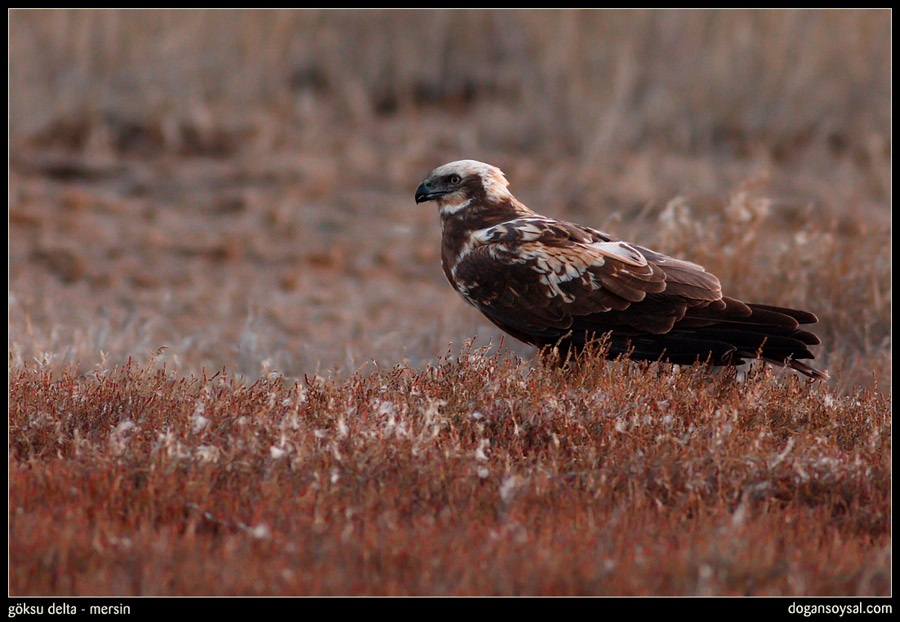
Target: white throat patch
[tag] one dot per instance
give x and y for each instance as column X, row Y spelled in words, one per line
column 449, row 209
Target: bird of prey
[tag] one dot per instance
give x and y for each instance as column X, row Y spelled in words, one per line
column 562, row 285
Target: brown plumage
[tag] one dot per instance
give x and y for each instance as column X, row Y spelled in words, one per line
column 552, row 283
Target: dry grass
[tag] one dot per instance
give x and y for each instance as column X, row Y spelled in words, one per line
column 195, row 191
column 478, row 475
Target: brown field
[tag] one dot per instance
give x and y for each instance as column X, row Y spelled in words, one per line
column 235, row 367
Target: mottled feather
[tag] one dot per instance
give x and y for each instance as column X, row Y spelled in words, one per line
column 553, row 283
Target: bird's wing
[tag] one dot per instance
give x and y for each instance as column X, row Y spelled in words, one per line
column 538, row 275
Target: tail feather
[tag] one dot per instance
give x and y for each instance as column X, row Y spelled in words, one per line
column 812, row 372
column 771, row 345
column 727, row 333
column 802, row 317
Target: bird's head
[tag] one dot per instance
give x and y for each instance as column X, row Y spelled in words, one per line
column 456, row 185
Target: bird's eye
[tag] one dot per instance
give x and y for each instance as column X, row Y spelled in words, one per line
column 455, row 179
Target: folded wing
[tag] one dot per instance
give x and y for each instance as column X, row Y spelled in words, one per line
column 548, row 282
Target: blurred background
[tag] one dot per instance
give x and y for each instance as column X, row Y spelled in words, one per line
column 235, row 188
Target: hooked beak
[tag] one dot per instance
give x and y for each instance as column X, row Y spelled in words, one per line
column 426, row 192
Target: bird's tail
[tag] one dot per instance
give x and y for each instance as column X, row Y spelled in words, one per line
column 728, row 334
